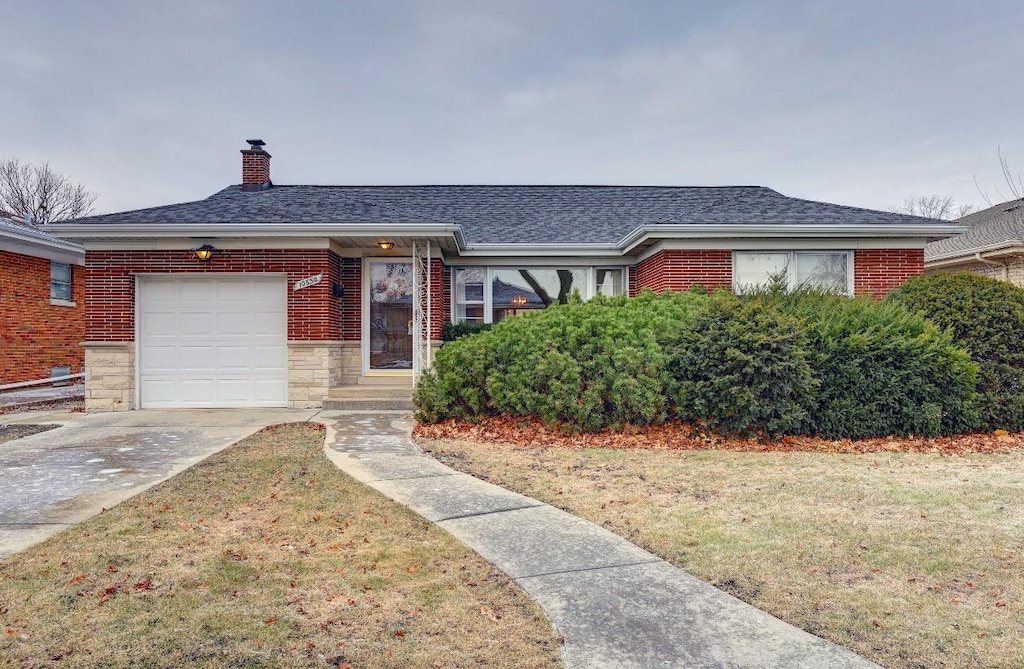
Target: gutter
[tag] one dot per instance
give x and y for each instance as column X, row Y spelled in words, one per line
column 235, row 230
column 726, row 231
column 983, row 255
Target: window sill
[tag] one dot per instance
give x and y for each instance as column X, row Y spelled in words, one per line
column 62, row 303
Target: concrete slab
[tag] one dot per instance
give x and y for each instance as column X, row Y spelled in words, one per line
column 438, row 498
column 53, row 479
column 655, row 615
column 366, row 467
column 543, row 540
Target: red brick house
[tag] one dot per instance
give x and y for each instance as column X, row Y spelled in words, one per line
column 270, row 295
column 42, row 306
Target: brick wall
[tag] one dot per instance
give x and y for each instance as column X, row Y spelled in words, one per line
column 440, row 297
column 352, row 302
column 681, row 270
column 313, row 313
column 35, row 336
column 877, row 272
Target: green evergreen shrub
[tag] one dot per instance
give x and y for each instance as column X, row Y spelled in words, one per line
column 741, row 368
column 580, row 366
column 882, row 370
column 772, row 362
column 985, row 316
column 452, row 331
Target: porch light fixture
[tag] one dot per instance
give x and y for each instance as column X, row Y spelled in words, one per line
column 519, row 301
column 386, row 246
column 204, row 252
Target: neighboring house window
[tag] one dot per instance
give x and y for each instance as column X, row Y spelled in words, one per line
column 491, row 294
column 829, row 270
column 60, row 281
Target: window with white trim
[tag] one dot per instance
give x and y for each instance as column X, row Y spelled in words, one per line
column 609, row 281
column 828, row 270
column 60, row 281
column 492, row 294
column 469, row 295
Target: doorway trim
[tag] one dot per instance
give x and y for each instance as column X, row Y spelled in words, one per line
column 368, row 261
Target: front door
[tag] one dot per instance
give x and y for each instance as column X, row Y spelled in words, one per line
column 387, row 341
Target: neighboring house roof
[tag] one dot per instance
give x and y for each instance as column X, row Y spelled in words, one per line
column 997, row 228
column 27, row 239
column 519, row 215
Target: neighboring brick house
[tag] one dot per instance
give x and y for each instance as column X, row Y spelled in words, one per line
column 269, row 295
column 42, row 305
column 992, row 246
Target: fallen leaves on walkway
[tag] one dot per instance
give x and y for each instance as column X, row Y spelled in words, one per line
column 683, row 437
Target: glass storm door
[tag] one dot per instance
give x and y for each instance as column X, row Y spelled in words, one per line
column 390, row 315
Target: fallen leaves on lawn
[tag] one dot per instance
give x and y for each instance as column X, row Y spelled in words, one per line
column 532, row 432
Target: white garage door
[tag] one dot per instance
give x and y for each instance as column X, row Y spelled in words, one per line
column 213, row 341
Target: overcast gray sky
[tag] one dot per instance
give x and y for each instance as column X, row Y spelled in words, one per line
column 863, row 103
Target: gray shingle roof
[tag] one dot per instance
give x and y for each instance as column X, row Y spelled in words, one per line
column 996, row 227
column 511, row 214
column 15, row 226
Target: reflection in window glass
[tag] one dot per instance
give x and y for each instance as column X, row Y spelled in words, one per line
column 752, row 270
column 827, row 271
column 60, row 281
column 514, row 291
column 609, row 282
column 469, row 295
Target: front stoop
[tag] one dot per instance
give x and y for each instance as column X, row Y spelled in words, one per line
column 371, row 397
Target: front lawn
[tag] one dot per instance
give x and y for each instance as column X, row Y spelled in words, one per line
column 264, row 555
column 911, row 559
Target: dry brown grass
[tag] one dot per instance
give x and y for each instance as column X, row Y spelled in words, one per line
column 264, row 555
column 913, row 560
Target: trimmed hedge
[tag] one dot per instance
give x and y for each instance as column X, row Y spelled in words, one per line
column 881, row 370
column 738, row 368
column 773, row 364
column 986, row 317
column 452, row 331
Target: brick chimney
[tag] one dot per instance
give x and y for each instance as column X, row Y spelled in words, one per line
column 255, row 166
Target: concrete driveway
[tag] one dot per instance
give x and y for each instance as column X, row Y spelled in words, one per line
column 55, row 479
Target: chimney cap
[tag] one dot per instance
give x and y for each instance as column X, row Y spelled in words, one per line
column 256, row 144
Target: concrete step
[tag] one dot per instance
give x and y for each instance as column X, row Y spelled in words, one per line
column 387, row 380
column 371, row 397
column 369, row 404
column 362, row 392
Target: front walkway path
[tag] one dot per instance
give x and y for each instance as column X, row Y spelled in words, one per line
column 616, row 604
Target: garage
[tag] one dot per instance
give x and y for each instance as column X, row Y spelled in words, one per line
column 212, row 341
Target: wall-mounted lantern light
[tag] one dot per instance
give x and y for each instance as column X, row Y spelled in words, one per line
column 519, row 301
column 386, row 246
column 204, row 252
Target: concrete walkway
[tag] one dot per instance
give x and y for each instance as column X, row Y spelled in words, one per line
column 615, row 604
column 58, row 478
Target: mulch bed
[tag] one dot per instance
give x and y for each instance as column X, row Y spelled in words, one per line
column 531, row 432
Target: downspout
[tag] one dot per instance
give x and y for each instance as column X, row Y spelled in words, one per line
column 1005, row 266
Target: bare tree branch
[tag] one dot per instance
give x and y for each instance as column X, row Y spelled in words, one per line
column 934, row 206
column 42, row 193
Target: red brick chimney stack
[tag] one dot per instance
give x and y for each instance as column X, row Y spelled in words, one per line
column 255, row 166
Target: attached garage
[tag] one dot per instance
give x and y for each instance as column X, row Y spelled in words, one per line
column 212, row 341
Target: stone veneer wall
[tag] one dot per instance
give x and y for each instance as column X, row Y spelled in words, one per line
column 314, row 367
column 110, row 376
